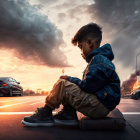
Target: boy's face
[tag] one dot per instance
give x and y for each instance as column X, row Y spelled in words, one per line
column 86, row 47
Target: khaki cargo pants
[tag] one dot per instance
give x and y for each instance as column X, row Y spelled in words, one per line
column 64, row 92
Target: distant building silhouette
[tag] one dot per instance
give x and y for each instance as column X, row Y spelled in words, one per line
column 38, row 91
column 28, row 92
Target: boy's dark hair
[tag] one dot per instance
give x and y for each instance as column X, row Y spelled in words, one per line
column 91, row 30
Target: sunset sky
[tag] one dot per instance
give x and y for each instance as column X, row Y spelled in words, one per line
column 35, row 38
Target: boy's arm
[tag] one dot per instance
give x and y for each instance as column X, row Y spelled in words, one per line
column 74, row 80
column 96, row 77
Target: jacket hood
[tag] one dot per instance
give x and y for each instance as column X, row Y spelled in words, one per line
column 104, row 50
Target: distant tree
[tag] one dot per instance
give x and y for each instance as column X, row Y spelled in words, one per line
column 32, row 92
column 26, row 92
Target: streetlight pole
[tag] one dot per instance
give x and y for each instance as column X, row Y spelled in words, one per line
column 136, row 62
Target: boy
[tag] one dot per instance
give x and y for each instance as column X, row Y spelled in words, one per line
column 95, row 95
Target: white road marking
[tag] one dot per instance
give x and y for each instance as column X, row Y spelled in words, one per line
column 20, row 98
column 18, row 103
column 11, row 98
column 130, row 113
column 128, row 103
column 16, row 99
column 36, row 102
column 13, row 113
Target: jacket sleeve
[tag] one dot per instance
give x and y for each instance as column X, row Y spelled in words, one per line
column 74, row 80
column 96, row 78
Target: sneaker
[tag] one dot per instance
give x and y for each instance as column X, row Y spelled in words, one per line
column 41, row 117
column 67, row 116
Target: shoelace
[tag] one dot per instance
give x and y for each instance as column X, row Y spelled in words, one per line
column 38, row 111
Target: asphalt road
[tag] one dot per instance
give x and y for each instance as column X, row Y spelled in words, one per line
column 14, row 109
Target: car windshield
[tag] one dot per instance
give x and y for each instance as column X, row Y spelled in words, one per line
column 2, row 79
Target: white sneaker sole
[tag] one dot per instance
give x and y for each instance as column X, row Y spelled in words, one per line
column 69, row 122
column 37, row 124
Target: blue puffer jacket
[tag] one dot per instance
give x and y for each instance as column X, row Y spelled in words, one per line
column 100, row 77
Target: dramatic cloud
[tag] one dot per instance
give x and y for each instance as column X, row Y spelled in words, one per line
column 48, row 2
column 65, row 5
column 61, row 17
column 71, row 13
column 119, row 18
column 32, row 35
column 39, row 6
column 74, row 12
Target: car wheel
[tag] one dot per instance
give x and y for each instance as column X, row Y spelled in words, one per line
column 10, row 92
column 136, row 96
column 21, row 93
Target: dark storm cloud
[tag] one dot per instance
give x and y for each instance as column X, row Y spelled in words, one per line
column 32, row 35
column 122, row 18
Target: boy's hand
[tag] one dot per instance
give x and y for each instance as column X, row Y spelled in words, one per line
column 63, row 77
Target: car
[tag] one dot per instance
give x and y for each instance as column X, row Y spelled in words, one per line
column 9, row 86
column 135, row 94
